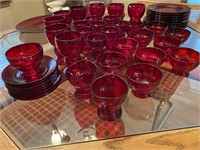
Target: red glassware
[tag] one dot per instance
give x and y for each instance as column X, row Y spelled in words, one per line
column 66, row 14
column 150, row 55
column 78, row 12
column 109, row 98
column 136, row 11
column 127, row 46
column 53, row 19
column 96, row 8
column 116, row 9
column 143, row 36
column 183, row 60
column 143, row 79
column 133, row 26
column 26, row 58
column 98, row 25
column 123, row 25
column 112, row 32
column 180, row 33
column 81, row 74
column 92, row 18
column 166, row 43
column 111, row 62
column 69, row 44
column 110, row 19
column 85, row 31
column 80, row 23
column 157, row 27
column 97, row 41
column 50, row 32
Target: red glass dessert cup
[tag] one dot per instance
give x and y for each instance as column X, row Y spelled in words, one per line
column 133, row 26
column 98, row 25
column 96, row 41
column 157, row 27
column 150, row 55
column 143, row 79
column 183, row 60
column 26, row 58
column 127, row 46
column 116, row 9
column 180, row 33
column 112, row 33
column 69, row 44
column 111, row 62
column 136, row 11
column 66, row 14
column 54, row 19
column 50, row 33
column 92, row 18
column 78, row 12
column 109, row 98
column 96, row 8
column 143, row 36
column 85, row 31
column 81, row 74
column 110, row 19
column 123, row 25
column 80, row 23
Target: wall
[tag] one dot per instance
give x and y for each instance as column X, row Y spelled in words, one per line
column 18, row 11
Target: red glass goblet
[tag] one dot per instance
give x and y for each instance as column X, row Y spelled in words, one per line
column 143, row 36
column 123, row 25
column 85, row 31
column 157, row 27
column 97, row 41
column 98, row 25
column 109, row 98
column 133, row 26
column 81, row 74
column 136, row 11
column 180, row 33
column 150, row 55
column 143, row 79
column 110, row 19
column 111, row 62
column 78, row 12
column 53, row 20
column 69, row 44
column 80, row 23
column 112, row 32
column 26, row 58
column 66, row 14
column 116, row 9
column 96, row 8
column 50, row 33
column 183, row 60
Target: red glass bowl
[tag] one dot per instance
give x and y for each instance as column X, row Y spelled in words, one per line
column 109, row 98
column 66, row 14
column 116, row 9
column 26, row 58
column 111, row 62
column 157, row 27
column 81, row 74
column 97, row 8
column 183, row 60
column 80, row 23
column 98, row 25
column 143, row 79
column 151, row 55
column 136, row 11
column 134, row 25
column 110, row 19
column 123, row 25
column 143, row 36
column 180, row 33
column 53, row 19
column 92, row 18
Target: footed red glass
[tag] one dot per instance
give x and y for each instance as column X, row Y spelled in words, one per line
column 96, row 41
column 69, row 44
column 133, row 26
column 66, row 14
column 180, row 33
column 143, row 36
column 116, row 9
column 136, row 11
column 98, row 25
column 143, row 79
column 81, row 74
column 50, row 32
column 78, row 12
column 54, row 19
column 109, row 98
column 112, row 33
column 123, row 25
column 111, row 62
column 80, row 23
column 150, row 55
column 96, row 8
column 157, row 27
column 183, row 60
column 26, row 58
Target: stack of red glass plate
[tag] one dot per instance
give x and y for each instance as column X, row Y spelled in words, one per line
column 175, row 15
column 23, row 89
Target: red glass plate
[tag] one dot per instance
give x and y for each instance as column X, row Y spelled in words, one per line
column 35, row 24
